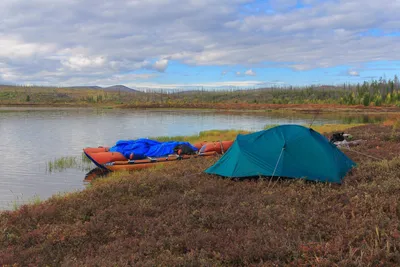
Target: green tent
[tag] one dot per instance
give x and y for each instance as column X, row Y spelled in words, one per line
column 290, row 151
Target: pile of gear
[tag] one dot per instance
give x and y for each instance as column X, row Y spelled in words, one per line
column 342, row 139
column 144, row 148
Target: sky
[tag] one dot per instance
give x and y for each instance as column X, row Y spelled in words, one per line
column 198, row 43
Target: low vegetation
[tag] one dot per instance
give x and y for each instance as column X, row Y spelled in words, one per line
column 329, row 128
column 69, row 162
column 210, row 136
column 375, row 93
column 177, row 215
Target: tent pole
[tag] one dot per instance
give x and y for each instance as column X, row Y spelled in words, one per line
column 312, row 122
column 276, row 166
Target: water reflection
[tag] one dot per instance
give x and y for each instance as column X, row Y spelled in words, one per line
column 363, row 119
column 94, row 174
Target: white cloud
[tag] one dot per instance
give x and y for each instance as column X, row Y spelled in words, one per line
column 14, row 47
column 80, row 62
column 353, row 73
column 6, row 73
column 91, row 41
column 130, row 78
column 161, row 65
column 250, row 72
column 126, row 79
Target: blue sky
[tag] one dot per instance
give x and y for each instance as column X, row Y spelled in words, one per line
column 198, row 43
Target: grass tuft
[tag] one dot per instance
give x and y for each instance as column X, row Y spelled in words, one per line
column 69, row 162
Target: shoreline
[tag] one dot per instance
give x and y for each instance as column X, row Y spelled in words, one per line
column 208, row 135
column 231, row 107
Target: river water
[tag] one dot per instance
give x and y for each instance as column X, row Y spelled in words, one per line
column 31, row 138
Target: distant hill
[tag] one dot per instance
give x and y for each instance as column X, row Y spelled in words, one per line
column 120, row 88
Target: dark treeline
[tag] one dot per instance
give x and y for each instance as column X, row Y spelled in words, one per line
column 375, row 93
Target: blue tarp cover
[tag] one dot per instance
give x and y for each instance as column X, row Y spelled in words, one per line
column 142, row 148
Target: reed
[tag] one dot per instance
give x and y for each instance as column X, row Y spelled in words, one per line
column 69, row 162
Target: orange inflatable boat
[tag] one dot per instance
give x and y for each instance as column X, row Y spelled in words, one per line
column 219, row 146
column 114, row 161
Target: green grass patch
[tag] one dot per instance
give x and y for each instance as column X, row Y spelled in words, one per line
column 69, row 162
column 328, row 128
column 35, row 200
column 211, row 135
column 325, row 128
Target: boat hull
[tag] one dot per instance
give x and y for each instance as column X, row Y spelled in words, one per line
column 144, row 164
column 219, row 146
